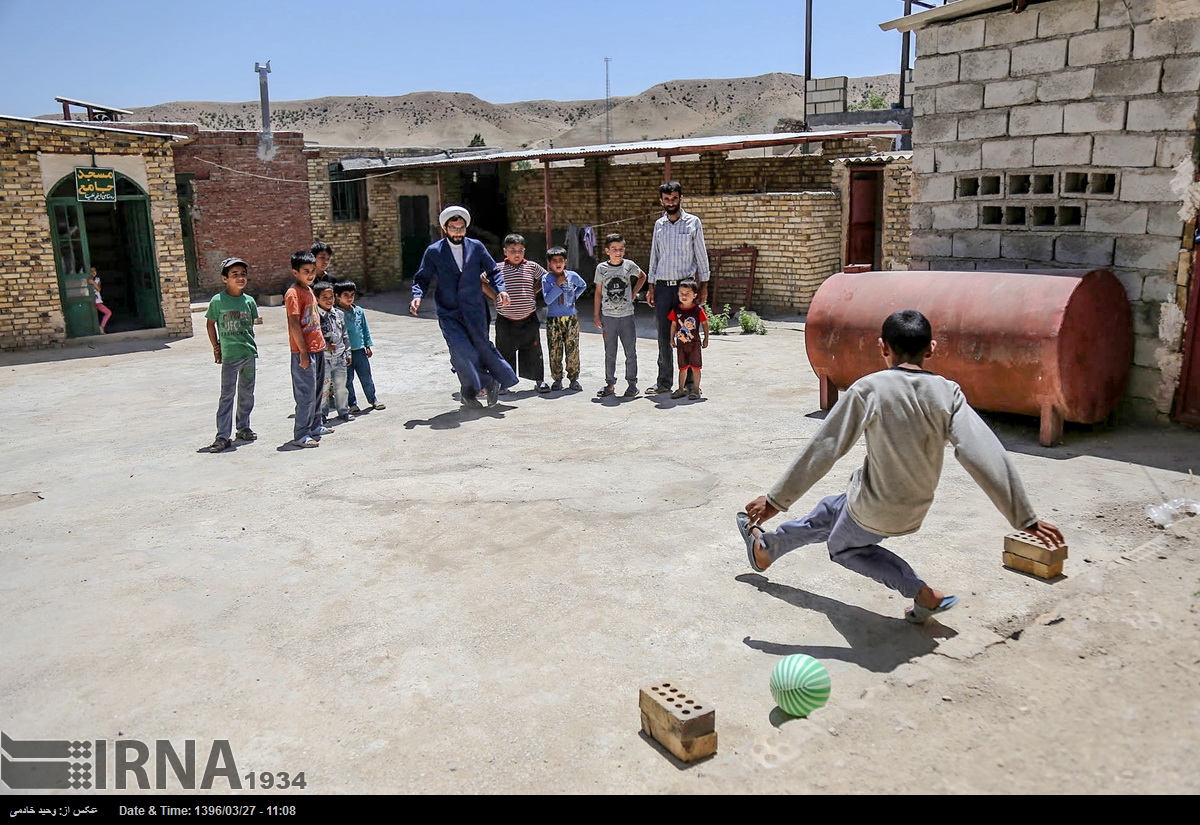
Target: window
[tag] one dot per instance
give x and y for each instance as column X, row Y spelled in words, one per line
column 347, row 195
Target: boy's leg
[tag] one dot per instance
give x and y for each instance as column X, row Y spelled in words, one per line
column 245, row 397
column 341, row 398
column 611, row 338
column 812, row 529
column 506, row 343
column 529, row 352
column 351, row 399
column 229, row 377
column 362, row 365
column 857, row 549
column 627, row 331
column 303, row 391
column 554, row 342
column 571, row 344
column 315, row 419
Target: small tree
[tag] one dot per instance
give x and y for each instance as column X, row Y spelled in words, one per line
column 476, row 141
column 871, row 100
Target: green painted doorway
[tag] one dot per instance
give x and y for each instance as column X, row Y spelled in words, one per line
column 116, row 238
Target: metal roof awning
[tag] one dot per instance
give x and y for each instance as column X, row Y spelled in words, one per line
column 75, row 124
column 663, row 148
column 950, row 11
column 874, row 160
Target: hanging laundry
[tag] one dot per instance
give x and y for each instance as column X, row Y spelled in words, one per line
column 572, row 247
column 589, row 240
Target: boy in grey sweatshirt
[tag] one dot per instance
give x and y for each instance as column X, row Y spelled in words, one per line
column 908, row 416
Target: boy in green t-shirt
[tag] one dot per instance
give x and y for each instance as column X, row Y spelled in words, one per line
column 231, row 317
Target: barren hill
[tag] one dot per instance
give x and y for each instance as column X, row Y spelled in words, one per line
column 677, row 108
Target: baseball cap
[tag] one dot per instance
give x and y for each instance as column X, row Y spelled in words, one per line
column 229, row 263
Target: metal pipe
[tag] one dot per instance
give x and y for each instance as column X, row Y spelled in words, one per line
column 808, row 31
column 904, row 55
column 546, row 200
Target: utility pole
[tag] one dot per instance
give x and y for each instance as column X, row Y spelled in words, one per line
column 266, row 140
column 904, row 55
column 607, row 103
column 808, row 29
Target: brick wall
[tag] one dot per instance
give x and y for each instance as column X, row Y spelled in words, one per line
column 245, row 206
column 1049, row 139
column 897, row 209
column 30, row 306
column 798, row 237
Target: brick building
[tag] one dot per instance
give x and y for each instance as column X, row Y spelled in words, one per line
column 117, row 213
column 1064, row 136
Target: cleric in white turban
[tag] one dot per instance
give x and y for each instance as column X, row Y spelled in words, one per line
column 458, row 262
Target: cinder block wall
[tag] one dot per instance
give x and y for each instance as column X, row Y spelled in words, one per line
column 244, row 206
column 1049, row 139
column 30, row 306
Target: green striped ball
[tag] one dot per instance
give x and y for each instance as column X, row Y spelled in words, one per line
column 800, row 684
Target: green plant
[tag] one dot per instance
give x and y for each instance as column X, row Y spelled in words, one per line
column 750, row 322
column 871, row 101
column 717, row 323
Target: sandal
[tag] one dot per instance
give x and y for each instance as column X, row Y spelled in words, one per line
column 918, row 615
column 694, row 394
column 606, row 392
column 246, row 435
column 631, row 392
column 219, row 446
column 679, row 393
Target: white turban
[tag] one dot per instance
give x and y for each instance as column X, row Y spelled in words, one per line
column 452, row 212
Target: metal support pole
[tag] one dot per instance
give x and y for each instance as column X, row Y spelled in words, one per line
column 904, row 55
column 441, row 194
column 546, row 201
column 808, row 29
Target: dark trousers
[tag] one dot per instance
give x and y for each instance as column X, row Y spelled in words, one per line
column 360, row 365
column 520, row 344
column 666, row 298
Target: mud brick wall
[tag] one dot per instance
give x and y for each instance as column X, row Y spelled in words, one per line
column 798, row 237
column 1050, row 139
column 30, row 306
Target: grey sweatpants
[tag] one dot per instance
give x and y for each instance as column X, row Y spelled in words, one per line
column 624, row 331
column 849, row 545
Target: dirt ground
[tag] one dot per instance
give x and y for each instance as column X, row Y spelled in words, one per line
column 438, row 601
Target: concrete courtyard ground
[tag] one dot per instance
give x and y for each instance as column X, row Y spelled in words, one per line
column 444, row 601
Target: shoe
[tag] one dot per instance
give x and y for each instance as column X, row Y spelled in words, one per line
column 542, row 386
column 743, row 525
column 679, row 393
column 472, row 404
column 575, row 385
column 307, row 442
column 606, row 392
column 246, row 435
column 354, row 410
column 219, row 446
column 320, row 431
column 347, row 417
column 658, row 391
column 917, row 614
column 493, row 393
column 556, row 386
column 377, row 406
column 505, row 391
column 694, row 394
column 631, row 392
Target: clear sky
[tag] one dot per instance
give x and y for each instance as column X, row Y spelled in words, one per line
column 128, row 53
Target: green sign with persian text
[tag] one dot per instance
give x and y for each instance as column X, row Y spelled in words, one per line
column 95, row 185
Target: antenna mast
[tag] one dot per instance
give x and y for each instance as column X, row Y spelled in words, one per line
column 607, row 103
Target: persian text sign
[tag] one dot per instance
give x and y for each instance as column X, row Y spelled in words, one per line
column 95, row 185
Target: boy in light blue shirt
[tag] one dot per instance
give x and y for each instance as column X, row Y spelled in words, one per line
column 360, row 345
column 561, row 288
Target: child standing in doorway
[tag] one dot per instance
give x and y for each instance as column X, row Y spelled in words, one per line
column 105, row 312
column 231, row 317
column 561, row 287
column 688, row 323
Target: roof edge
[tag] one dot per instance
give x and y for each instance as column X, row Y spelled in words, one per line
column 941, row 14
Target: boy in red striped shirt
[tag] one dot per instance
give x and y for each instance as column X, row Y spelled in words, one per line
column 518, row 330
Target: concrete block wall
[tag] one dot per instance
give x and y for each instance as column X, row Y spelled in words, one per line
column 255, row 209
column 1049, row 139
column 30, row 305
column 797, row 234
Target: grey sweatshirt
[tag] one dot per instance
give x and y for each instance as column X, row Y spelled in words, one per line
column 908, row 416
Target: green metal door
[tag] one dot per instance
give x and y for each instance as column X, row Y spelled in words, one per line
column 69, row 235
column 139, row 250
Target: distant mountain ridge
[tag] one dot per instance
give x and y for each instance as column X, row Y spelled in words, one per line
column 676, row 108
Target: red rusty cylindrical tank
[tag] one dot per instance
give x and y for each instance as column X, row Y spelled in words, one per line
column 1055, row 344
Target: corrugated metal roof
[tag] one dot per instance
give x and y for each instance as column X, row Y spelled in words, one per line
column 873, row 160
column 681, row 146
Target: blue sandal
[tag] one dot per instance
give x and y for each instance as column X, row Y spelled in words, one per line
column 919, row 615
column 743, row 525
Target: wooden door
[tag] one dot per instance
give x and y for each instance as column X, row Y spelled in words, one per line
column 143, row 269
column 862, row 237
column 1187, row 404
column 69, row 236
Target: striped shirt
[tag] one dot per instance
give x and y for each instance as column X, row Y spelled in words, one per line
column 677, row 250
column 522, row 283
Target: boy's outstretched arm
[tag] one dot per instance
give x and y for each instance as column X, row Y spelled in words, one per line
column 980, row 452
column 836, row 435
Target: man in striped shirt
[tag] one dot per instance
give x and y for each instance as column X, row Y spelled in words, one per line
column 518, row 330
column 677, row 252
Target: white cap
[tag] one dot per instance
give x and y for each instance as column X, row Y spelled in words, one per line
column 452, row 212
